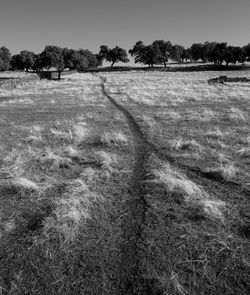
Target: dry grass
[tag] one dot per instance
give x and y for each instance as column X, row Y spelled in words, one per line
column 237, row 114
column 185, row 145
column 244, row 152
column 223, row 158
column 24, row 183
column 175, row 181
column 204, row 115
column 89, row 175
column 177, row 286
column 216, row 143
column 208, row 115
column 174, row 115
column 107, row 160
column 71, row 212
column 35, row 134
column 215, row 134
column 52, row 161
column 117, row 138
column 55, row 182
column 61, row 134
column 227, row 171
column 72, row 151
column 81, row 133
column 194, row 246
column 66, row 173
column 214, row 208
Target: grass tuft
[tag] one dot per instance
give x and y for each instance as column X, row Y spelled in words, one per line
column 223, row 172
column 185, row 145
column 213, row 208
column 71, row 212
column 177, row 285
column 107, row 160
column 177, row 182
column 24, row 183
column 80, row 132
column 216, row 133
column 61, row 134
column 244, row 152
column 71, row 151
column 116, row 138
column 237, row 114
column 52, row 161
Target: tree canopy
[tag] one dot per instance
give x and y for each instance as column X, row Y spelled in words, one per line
column 197, row 51
column 23, row 61
column 79, row 59
column 52, row 56
column 159, row 52
column 178, row 53
column 114, row 55
column 4, row 58
column 146, row 54
column 88, row 60
column 246, row 52
column 163, row 49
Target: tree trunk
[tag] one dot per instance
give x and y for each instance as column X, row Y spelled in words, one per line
column 59, row 75
column 112, row 64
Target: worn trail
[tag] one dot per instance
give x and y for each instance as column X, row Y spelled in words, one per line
column 132, row 280
column 132, row 276
column 193, row 172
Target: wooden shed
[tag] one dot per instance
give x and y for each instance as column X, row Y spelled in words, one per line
column 50, row 75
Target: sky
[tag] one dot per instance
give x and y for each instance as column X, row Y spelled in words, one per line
column 88, row 24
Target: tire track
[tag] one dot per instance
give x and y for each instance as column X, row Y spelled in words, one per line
column 132, row 280
column 192, row 172
column 132, row 277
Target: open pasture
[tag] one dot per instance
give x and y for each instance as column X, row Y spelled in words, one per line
column 200, row 124
column 143, row 193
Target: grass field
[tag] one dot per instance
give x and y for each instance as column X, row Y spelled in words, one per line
column 125, row 183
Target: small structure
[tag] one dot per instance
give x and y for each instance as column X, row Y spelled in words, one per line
column 50, row 75
column 45, row 75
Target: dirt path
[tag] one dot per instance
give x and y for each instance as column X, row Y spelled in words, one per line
column 193, row 172
column 134, row 221
column 132, row 276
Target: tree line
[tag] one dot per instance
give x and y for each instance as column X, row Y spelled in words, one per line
column 160, row 52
